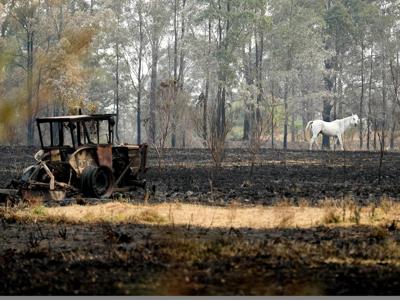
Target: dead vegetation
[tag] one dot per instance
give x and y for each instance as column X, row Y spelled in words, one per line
column 344, row 212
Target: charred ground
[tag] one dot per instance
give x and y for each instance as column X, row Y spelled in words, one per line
column 190, row 175
column 157, row 257
column 295, row 175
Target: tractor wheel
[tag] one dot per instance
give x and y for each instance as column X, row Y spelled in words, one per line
column 97, row 182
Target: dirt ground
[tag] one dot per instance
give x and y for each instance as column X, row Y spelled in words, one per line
column 153, row 254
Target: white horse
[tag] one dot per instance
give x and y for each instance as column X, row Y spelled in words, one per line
column 332, row 129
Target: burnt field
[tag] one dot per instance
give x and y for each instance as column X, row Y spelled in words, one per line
column 189, row 175
column 294, row 175
column 303, row 223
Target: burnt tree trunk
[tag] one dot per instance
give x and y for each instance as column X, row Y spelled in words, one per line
column 29, row 85
column 286, row 114
column 272, row 116
column 153, row 86
column 286, row 85
column 207, row 93
column 249, row 81
column 139, row 78
column 117, row 97
column 205, row 110
column 370, row 100
column 384, row 101
column 394, row 71
column 181, row 74
column 174, row 103
column 361, row 111
column 393, row 129
column 221, row 94
column 293, row 128
column 259, row 69
column 326, row 116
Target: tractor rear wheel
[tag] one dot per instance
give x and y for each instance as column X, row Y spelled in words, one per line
column 97, row 182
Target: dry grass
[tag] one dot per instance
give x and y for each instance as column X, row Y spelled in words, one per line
column 331, row 216
column 282, row 215
column 386, row 204
column 216, row 261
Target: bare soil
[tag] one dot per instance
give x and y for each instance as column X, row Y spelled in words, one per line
column 40, row 256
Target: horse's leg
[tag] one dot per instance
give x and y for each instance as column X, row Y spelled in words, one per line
column 341, row 141
column 313, row 140
column 322, row 144
column 334, row 143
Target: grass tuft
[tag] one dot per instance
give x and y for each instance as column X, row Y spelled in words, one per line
column 39, row 211
column 151, row 216
column 386, row 204
column 331, row 216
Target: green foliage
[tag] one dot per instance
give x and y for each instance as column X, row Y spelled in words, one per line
column 39, row 211
column 339, row 24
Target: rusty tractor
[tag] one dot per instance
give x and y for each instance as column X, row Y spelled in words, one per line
column 78, row 157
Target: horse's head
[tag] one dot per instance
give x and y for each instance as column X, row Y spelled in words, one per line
column 355, row 120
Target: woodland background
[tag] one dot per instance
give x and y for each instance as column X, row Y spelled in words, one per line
column 203, row 73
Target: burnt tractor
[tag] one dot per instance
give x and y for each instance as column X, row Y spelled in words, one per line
column 78, row 157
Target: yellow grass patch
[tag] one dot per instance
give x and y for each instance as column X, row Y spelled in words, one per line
column 235, row 215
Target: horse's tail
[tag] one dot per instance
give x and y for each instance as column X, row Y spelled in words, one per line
column 309, row 125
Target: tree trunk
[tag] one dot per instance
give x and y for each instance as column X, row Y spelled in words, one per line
column 249, row 81
column 221, row 99
column 29, row 70
column 370, row 100
column 393, row 128
column 153, row 88
column 304, row 121
column 246, row 126
column 181, row 74
column 328, row 82
column 362, row 95
column 394, row 71
column 273, row 128
column 286, row 87
column 272, row 116
column 174, row 102
column 92, row 7
column 375, row 134
column 286, row 114
column 384, row 104
column 221, row 94
column 205, row 110
column 117, row 100
column 259, row 72
column 207, row 93
column 293, row 128
column 139, row 78
column 326, row 116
